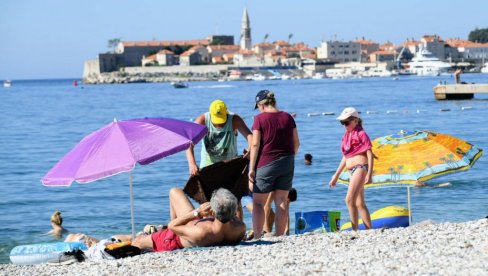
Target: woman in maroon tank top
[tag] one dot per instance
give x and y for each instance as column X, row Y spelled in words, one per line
column 272, row 161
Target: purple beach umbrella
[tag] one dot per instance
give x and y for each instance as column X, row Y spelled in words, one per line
column 117, row 148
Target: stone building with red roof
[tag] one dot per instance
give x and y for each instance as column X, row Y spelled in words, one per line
column 161, row 58
column 132, row 53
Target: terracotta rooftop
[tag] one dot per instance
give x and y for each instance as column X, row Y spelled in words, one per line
column 224, row 47
column 264, row 44
column 477, row 45
column 461, row 43
column 310, row 56
column 431, row 38
column 196, row 47
column 300, row 45
column 165, row 52
column 365, row 42
column 203, row 42
column 151, row 57
column 281, row 43
column 383, row 52
column 411, row 43
column 245, row 52
column 186, row 54
column 387, row 47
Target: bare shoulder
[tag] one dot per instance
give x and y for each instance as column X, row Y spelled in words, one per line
column 200, row 119
column 238, row 228
column 236, row 119
column 234, row 237
column 238, row 123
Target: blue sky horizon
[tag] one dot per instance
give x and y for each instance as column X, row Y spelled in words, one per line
column 52, row 38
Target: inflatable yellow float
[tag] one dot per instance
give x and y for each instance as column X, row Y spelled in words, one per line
column 388, row 217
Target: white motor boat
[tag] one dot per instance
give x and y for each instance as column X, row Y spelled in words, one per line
column 341, row 74
column 377, row 72
column 318, row 76
column 484, row 69
column 285, row 77
column 7, row 83
column 426, row 64
column 258, row 77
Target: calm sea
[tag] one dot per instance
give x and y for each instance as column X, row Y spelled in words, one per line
column 40, row 121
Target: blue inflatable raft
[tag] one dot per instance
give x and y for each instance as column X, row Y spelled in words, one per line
column 42, row 252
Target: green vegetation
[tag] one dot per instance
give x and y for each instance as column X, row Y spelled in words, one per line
column 112, row 44
column 217, row 42
column 478, row 35
column 178, row 50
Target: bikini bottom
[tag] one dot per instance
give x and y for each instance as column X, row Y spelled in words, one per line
column 358, row 166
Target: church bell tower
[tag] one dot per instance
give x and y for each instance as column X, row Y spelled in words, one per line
column 246, row 43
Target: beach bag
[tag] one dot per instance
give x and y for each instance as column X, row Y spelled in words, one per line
column 317, row 221
column 123, row 251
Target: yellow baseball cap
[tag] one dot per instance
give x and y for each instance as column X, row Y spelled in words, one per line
column 218, row 112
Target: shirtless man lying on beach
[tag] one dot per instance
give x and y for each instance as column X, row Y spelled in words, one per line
column 213, row 223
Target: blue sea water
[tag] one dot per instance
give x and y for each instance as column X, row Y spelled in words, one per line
column 40, row 121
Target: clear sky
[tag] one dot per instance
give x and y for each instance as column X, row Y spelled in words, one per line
column 52, row 38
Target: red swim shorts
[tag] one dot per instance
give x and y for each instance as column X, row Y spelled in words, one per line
column 165, row 240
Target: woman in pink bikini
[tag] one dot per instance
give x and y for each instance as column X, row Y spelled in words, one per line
column 358, row 159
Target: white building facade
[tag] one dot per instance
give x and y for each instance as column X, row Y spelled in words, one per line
column 339, row 51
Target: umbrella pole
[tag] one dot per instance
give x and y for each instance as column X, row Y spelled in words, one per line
column 409, row 210
column 132, row 207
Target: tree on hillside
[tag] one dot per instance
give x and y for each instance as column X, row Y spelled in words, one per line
column 478, row 35
column 112, row 44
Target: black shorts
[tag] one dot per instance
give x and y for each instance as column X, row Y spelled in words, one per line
column 277, row 175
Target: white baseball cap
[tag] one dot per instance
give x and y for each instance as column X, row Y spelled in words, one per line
column 348, row 112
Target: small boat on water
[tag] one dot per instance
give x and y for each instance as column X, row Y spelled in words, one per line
column 7, row 83
column 258, row 77
column 484, row 69
column 179, row 84
column 318, row 76
column 377, row 72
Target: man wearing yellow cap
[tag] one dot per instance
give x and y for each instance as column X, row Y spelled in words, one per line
column 220, row 143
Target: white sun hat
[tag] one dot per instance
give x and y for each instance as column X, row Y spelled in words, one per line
column 348, row 112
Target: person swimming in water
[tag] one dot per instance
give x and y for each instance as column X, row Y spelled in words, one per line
column 56, row 222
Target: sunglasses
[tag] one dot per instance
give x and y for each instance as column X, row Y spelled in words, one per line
column 346, row 122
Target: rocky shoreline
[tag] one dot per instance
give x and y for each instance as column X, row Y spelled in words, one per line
column 112, row 78
column 426, row 248
column 138, row 75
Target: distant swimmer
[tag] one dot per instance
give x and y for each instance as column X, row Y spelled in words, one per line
column 56, row 223
column 307, row 158
column 423, row 184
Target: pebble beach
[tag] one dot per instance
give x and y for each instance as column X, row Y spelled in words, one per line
column 426, row 248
